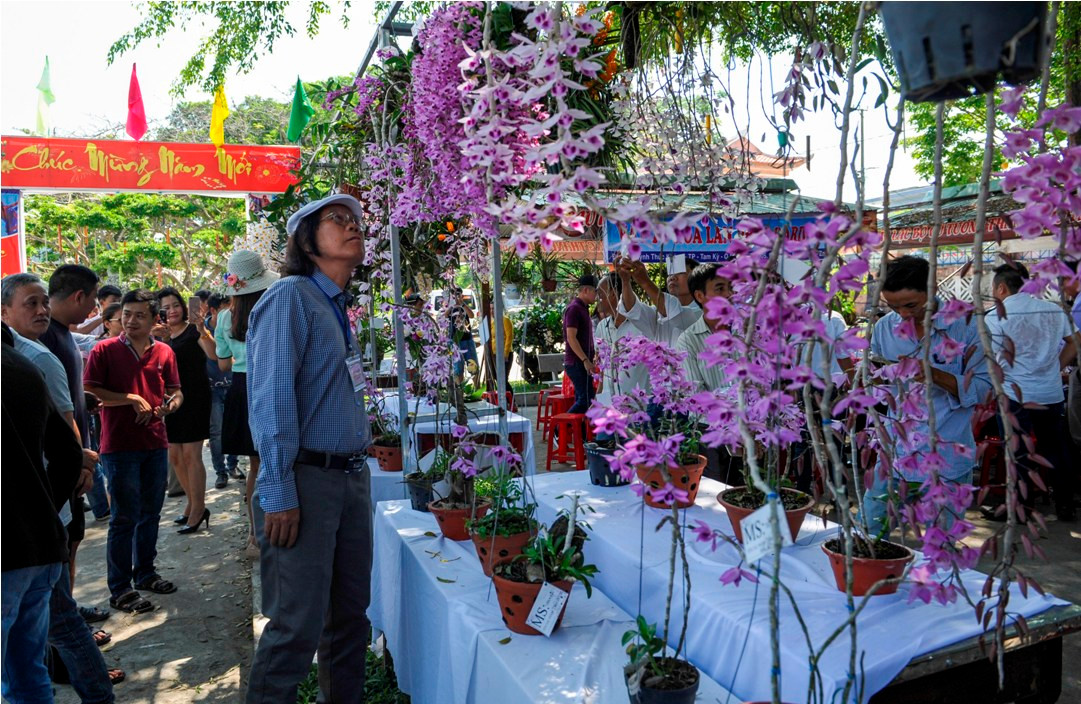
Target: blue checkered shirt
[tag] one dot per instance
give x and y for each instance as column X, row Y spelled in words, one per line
column 299, row 391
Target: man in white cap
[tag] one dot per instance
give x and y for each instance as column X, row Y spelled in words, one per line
column 672, row 311
column 310, row 425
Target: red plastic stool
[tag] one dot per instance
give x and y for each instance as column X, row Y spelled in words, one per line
column 555, row 404
column 571, row 443
column 492, row 397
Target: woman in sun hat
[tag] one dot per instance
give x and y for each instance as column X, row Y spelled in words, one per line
column 245, row 282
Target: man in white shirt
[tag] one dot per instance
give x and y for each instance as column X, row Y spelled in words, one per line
column 673, row 311
column 1033, row 341
column 704, row 285
column 612, row 330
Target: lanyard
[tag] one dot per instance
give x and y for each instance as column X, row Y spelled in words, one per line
column 340, row 316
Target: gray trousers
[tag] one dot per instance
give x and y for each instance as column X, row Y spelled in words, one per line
column 316, row 593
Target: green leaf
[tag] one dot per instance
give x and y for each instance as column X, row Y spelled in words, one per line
column 884, row 91
column 446, row 581
column 504, row 641
column 430, row 534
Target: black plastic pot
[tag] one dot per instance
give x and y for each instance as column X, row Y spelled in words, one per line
column 686, row 695
column 947, row 50
column 600, row 472
column 420, row 493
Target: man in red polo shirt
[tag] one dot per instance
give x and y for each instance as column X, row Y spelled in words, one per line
column 137, row 381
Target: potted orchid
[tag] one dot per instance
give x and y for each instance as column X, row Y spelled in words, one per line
column 502, row 533
column 554, row 557
column 656, row 431
column 386, row 445
column 460, row 504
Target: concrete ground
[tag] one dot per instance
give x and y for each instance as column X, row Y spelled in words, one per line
column 197, row 645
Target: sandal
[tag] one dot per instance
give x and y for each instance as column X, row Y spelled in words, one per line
column 116, row 676
column 92, row 614
column 102, row 638
column 157, row 585
column 132, row 603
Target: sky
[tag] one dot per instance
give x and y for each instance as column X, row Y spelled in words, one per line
column 92, row 96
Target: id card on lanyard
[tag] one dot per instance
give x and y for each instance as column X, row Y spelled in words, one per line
column 354, row 364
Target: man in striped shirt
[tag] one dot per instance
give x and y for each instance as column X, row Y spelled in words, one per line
column 704, row 284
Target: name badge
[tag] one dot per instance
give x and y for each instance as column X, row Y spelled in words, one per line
column 355, row 366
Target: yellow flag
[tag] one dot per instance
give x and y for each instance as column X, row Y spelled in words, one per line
column 217, row 117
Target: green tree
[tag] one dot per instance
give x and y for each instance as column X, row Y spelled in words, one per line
column 128, row 235
column 240, row 33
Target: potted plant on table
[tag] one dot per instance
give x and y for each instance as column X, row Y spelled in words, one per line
column 501, row 534
column 554, row 558
column 741, row 501
column 460, row 504
column 386, row 446
column 656, row 432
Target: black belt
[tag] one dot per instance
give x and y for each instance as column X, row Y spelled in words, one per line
column 349, row 463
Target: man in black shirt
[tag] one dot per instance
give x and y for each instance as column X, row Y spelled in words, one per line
column 35, row 544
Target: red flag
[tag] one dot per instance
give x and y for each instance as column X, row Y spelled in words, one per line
column 136, row 127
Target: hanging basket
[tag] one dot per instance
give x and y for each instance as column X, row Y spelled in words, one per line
column 948, row 50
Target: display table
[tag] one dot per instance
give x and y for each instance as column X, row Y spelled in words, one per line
column 386, row 486
column 728, row 633
column 482, row 417
column 442, row 625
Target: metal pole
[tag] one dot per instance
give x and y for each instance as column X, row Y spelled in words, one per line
column 497, row 326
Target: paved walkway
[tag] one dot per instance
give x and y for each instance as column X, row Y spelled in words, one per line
column 196, row 646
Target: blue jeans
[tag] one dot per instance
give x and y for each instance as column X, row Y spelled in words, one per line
column 583, row 387
column 137, row 482
column 26, row 593
column 99, row 494
column 69, row 634
column 222, row 464
column 468, row 349
column 876, row 503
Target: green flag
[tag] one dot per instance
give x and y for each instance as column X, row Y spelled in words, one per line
column 301, row 113
column 45, row 99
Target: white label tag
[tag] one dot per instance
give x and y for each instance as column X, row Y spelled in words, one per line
column 355, row 366
column 546, row 608
column 758, row 536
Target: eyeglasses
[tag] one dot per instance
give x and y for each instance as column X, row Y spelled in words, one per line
column 112, row 320
column 342, row 219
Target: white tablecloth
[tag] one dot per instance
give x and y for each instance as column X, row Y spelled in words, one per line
column 484, row 424
column 728, row 631
column 442, row 624
column 386, row 486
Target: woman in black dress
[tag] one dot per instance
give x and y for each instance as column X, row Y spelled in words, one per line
column 190, row 425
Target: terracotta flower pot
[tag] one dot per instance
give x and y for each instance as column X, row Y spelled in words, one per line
column 688, row 478
column 389, row 458
column 736, row 514
column 452, row 520
column 504, row 549
column 866, row 572
column 516, row 601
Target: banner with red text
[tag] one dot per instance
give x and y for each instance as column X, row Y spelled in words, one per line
column 107, row 165
column 960, row 232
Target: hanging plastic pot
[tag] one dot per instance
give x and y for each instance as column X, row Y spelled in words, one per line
column 948, row 50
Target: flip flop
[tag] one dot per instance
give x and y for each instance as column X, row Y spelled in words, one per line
column 132, row 603
column 157, row 585
column 102, row 638
column 116, row 676
column 92, row 614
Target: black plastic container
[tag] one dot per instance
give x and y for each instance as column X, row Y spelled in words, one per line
column 420, row 493
column 948, row 50
column 600, row 472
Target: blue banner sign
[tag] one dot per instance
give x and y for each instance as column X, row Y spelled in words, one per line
column 709, row 242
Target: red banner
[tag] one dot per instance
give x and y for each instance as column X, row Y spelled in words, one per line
column 108, row 165
column 961, row 232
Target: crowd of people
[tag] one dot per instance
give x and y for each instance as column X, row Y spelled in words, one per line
column 1034, row 340
column 136, row 382
column 102, row 404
